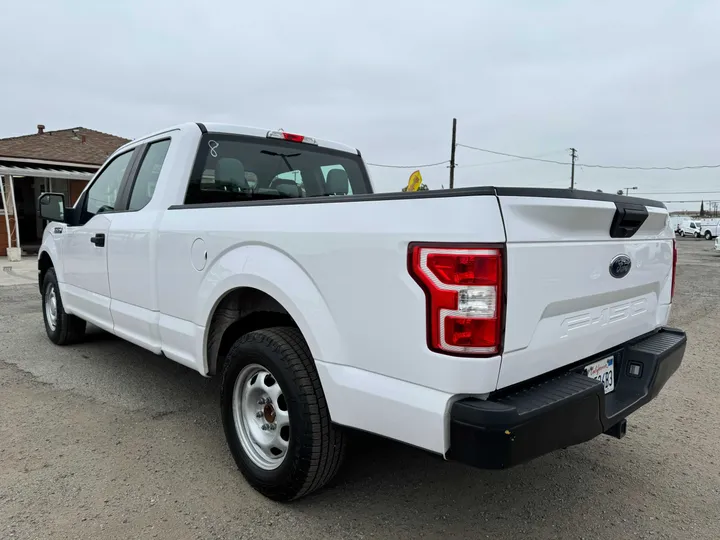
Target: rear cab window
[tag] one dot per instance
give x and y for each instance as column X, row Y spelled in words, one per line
column 235, row 168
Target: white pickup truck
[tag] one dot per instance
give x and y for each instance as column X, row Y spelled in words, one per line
column 709, row 229
column 487, row 325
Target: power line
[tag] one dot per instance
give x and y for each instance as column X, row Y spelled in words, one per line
column 506, row 160
column 551, row 161
column 408, row 166
column 686, row 168
column 514, row 155
column 674, row 192
column 591, row 165
column 684, row 202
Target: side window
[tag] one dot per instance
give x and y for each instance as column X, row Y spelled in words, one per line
column 103, row 193
column 148, row 174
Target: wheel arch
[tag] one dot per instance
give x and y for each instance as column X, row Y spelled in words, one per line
column 240, row 311
column 45, row 263
column 257, row 286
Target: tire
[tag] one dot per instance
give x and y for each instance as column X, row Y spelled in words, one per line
column 277, row 361
column 62, row 328
column 682, row 233
column 708, row 235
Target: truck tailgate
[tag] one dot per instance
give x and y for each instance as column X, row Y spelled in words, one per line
column 563, row 302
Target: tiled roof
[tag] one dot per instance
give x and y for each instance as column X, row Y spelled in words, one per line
column 75, row 145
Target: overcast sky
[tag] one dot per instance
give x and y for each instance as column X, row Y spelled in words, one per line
column 626, row 83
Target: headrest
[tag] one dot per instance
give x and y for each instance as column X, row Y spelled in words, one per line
column 289, row 190
column 276, row 182
column 337, row 182
column 230, row 171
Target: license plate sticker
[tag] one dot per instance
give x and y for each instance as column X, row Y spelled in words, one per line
column 603, row 371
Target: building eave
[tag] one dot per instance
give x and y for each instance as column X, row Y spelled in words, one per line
column 45, row 172
column 49, row 162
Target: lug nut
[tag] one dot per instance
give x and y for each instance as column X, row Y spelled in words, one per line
column 272, row 427
column 265, row 427
column 259, row 414
column 261, row 401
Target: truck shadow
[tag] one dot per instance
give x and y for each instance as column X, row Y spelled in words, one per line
column 388, row 489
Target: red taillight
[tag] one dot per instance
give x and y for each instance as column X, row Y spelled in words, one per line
column 292, row 137
column 464, row 292
column 674, row 267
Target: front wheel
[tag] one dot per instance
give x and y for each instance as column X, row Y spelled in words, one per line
column 61, row 327
column 275, row 416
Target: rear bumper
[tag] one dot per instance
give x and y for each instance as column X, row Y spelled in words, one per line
column 567, row 409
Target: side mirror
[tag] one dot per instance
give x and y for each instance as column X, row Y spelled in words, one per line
column 52, row 206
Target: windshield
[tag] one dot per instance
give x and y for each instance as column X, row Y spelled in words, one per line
column 237, row 168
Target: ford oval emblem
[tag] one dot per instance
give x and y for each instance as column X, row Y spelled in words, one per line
column 620, row 266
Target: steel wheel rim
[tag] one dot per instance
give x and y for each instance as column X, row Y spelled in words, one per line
column 261, row 417
column 51, row 307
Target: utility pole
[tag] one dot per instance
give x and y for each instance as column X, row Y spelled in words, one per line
column 627, row 189
column 452, row 154
column 573, row 154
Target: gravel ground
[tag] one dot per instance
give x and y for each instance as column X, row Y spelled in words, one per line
column 104, row 440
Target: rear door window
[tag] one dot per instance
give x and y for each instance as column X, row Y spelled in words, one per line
column 148, row 174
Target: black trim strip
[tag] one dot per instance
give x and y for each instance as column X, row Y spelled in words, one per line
column 462, row 192
column 128, row 181
column 438, row 193
column 126, row 194
column 202, row 127
column 577, row 194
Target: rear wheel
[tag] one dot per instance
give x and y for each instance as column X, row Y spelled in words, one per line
column 275, row 416
column 708, row 235
column 682, row 233
column 61, row 327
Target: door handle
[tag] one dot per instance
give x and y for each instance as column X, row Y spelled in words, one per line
column 98, row 240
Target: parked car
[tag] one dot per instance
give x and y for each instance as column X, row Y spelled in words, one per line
column 482, row 324
column 690, row 228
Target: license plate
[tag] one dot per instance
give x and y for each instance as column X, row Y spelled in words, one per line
column 603, row 371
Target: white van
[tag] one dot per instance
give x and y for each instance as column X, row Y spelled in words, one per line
column 690, row 228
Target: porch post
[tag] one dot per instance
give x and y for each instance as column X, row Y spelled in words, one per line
column 6, row 210
column 15, row 213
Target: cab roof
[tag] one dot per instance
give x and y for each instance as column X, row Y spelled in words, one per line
column 232, row 129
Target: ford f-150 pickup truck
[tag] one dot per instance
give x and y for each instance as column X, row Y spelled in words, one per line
column 489, row 325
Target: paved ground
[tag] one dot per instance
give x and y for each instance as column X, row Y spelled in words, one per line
column 18, row 273
column 103, row 440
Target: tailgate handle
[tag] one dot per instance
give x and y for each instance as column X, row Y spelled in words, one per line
column 628, row 218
